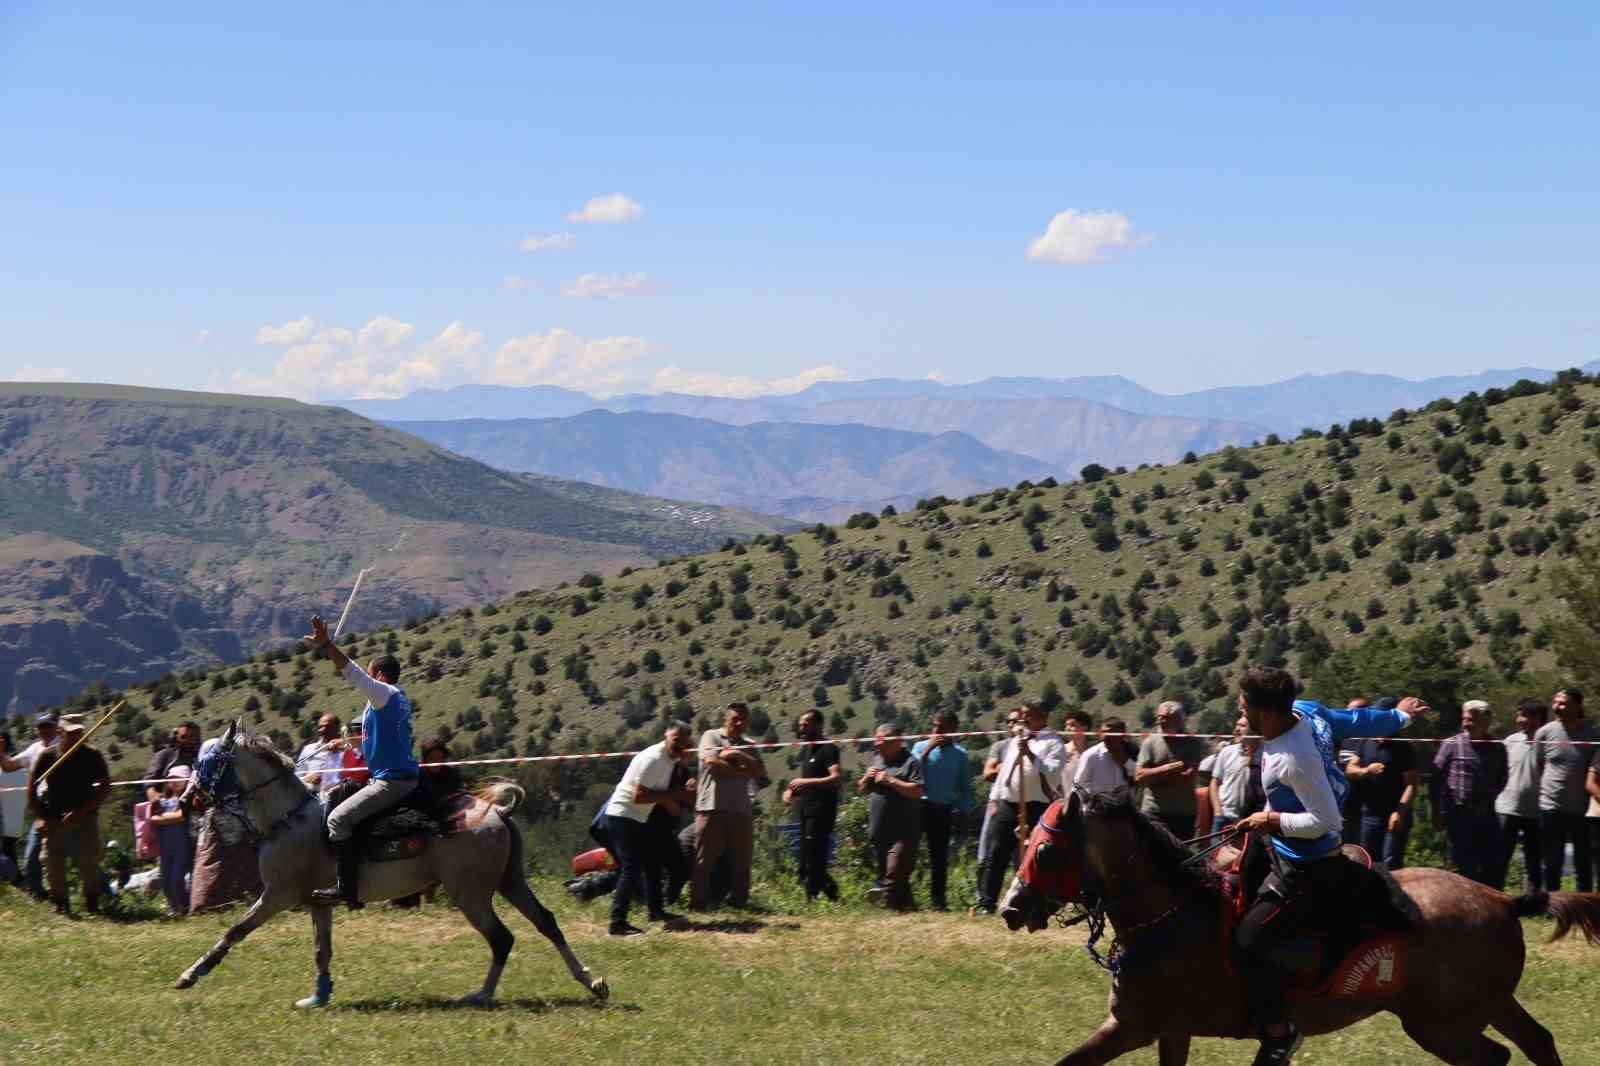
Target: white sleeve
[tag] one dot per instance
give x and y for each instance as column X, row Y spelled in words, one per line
column 632, row 776
column 1084, row 777
column 1321, row 815
column 377, row 692
column 1050, row 757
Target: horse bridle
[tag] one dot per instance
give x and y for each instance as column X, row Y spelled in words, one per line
column 210, row 778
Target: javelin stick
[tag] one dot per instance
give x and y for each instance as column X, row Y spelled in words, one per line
column 48, row 770
column 347, row 603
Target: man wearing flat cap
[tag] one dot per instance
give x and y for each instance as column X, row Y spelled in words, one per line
column 68, row 809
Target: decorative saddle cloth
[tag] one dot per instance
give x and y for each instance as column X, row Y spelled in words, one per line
column 403, row 831
column 1362, row 938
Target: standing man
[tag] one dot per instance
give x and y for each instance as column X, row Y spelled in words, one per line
column 319, row 761
column 1383, row 780
column 1030, row 769
column 1236, row 790
column 991, row 774
column 1075, row 735
column 724, row 814
column 68, row 807
column 1166, row 771
column 1563, row 762
column 894, row 815
column 47, row 733
column 947, row 792
column 1107, row 768
column 1468, row 773
column 183, row 750
column 1302, row 822
column 646, row 782
column 386, row 751
column 817, row 790
column 1517, row 806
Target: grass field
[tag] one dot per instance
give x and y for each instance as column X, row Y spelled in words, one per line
column 830, row 985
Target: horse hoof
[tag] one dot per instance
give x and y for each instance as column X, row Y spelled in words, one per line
column 183, row 982
column 312, row 1002
column 600, row 989
column 475, row 999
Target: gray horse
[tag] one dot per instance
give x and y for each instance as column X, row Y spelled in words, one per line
column 484, row 855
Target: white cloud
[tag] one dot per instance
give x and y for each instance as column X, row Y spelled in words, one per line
column 40, row 373
column 202, row 337
column 605, row 286
column 378, row 360
column 672, row 378
column 561, row 357
column 1074, row 237
column 607, row 210
column 297, row 332
column 516, row 283
column 549, row 242
column 936, row 376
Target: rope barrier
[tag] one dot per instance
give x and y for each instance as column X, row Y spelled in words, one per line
column 780, row 744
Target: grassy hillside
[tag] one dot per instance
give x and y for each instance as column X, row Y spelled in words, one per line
column 212, row 513
column 1103, row 593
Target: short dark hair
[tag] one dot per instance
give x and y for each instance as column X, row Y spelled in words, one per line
column 678, row 725
column 435, row 744
column 186, row 725
column 1535, row 708
column 1114, row 725
column 1267, row 688
column 1081, row 717
column 1574, row 693
column 737, row 706
column 389, row 667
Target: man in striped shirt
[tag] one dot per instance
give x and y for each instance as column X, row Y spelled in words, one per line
column 1468, row 773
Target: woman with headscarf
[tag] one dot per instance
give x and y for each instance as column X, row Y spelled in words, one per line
column 226, row 868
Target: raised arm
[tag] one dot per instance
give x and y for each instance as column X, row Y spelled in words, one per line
column 1347, row 722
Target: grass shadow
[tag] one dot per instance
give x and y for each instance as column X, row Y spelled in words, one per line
column 432, row 1004
column 725, row 925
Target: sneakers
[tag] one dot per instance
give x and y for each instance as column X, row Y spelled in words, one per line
column 625, row 930
column 1279, row 1050
column 666, row 917
column 981, row 910
column 878, row 895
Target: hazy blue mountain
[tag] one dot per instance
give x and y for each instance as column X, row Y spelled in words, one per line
column 477, row 401
column 798, row 470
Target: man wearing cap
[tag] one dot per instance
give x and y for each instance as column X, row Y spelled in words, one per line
column 47, row 730
column 68, row 808
column 1468, row 773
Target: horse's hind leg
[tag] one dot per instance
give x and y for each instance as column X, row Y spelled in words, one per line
column 322, row 927
column 1173, row 1050
column 479, row 910
column 1112, row 1040
column 1531, row 1038
column 259, row 912
column 1456, row 1044
column 520, row 896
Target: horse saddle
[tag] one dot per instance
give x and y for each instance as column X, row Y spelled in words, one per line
column 1353, row 945
column 401, row 831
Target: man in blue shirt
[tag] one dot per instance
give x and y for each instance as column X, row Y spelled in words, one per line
column 1305, row 794
column 947, row 792
column 386, row 750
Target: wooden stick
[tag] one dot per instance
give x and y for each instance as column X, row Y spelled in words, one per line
column 48, row 770
column 347, row 604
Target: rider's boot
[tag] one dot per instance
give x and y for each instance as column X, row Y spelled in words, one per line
column 347, row 889
column 1279, row 1050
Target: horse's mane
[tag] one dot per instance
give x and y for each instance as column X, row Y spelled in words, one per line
column 1167, row 853
column 261, row 745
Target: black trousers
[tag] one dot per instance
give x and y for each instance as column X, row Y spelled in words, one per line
column 1269, row 935
column 816, row 835
column 1555, row 829
column 1003, row 827
column 677, row 868
column 938, row 822
column 640, row 867
column 1513, row 828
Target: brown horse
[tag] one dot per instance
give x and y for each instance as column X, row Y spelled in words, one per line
column 1172, row 977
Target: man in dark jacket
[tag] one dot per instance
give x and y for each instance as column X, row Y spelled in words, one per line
column 68, row 808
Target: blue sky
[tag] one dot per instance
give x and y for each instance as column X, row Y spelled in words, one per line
column 329, row 200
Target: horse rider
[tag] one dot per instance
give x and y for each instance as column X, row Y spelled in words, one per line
column 1305, row 796
column 386, row 749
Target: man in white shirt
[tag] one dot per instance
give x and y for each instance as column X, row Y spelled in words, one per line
column 47, row 728
column 646, row 782
column 1029, row 773
column 319, row 761
column 1075, row 735
column 1235, row 769
column 1105, row 770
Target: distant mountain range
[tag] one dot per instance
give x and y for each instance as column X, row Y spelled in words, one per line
column 1284, row 407
column 803, row 471
column 145, row 530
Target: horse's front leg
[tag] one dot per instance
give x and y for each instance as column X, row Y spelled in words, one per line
column 322, row 926
column 1112, row 1040
column 259, row 912
column 1173, row 1050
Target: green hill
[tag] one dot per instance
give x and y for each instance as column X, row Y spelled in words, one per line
column 142, row 529
column 1104, row 593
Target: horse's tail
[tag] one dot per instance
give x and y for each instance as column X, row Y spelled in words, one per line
column 1569, row 909
column 503, row 796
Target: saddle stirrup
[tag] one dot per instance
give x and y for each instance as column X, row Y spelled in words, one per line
column 348, row 887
